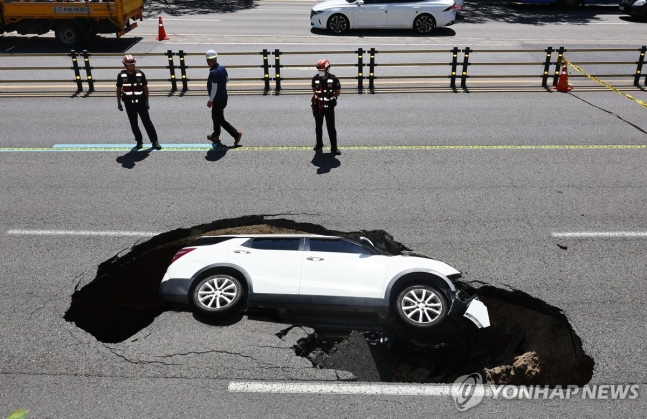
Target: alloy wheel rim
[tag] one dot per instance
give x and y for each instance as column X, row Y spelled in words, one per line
column 424, row 24
column 217, row 293
column 338, row 24
column 422, row 306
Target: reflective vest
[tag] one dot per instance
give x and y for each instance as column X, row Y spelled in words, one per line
column 324, row 88
column 132, row 92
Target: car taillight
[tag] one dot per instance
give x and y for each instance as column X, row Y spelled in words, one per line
column 453, row 6
column 182, row 252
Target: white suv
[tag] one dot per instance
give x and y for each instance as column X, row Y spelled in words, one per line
column 220, row 275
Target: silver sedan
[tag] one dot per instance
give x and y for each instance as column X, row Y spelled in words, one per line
column 338, row 16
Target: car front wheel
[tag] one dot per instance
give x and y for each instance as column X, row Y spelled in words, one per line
column 424, row 24
column 338, row 24
column 421, row 307
column 218, row 294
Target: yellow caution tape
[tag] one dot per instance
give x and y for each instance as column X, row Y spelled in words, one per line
column 620, row 92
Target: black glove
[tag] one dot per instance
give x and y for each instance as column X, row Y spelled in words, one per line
column 147, row 105
column 121, row 108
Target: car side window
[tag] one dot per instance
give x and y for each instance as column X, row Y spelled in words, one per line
column 267, row 243
column 335, row 245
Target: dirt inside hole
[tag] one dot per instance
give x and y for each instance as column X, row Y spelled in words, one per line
column 529, row 342
column 521, row 347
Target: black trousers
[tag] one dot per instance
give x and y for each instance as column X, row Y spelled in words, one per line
column 218, row 116
column 139, row 108
column 329, row 115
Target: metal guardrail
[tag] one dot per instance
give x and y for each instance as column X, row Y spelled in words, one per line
column 460, row 66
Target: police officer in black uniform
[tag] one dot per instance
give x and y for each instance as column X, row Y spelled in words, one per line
column 326, row 89
column 132, row 88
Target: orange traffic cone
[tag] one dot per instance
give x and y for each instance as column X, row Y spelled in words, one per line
column 161, row 36
column 562, row 83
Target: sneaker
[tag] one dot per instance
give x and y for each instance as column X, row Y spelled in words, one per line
column 139, row 145
column 318, row 147
column 240, row 135
column 157, row 146
column 336, row 152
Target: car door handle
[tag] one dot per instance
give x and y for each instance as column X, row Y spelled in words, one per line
column 242, row 251
column 314, row 258
column 416, row 8
column 382, row 8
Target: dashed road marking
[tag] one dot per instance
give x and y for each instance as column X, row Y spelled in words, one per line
column 380, row 389
column 601, row 234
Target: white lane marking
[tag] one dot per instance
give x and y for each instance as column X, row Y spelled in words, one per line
column 352, row 43
column 601, row 234
column 380, row 389
column 82, row 233
column 190, row 20
column 236, row 36
column 587, row 24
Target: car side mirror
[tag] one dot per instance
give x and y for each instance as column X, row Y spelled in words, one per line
column 364, row 240
column 360, row 2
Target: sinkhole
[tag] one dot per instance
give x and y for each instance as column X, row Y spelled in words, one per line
column 529, row 341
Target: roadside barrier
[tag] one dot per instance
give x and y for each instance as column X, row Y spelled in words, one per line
column 370, row 70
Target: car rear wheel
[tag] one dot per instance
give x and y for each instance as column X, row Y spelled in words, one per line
column 338, row 24
column 68, row 34
column 218, row 294
column 421, row 307
column 424, row 24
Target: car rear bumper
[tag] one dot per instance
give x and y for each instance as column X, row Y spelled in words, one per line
column 446, row 18
column 174, row 290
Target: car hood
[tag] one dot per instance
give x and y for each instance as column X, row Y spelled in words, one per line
column 404, row 262
column 329, row 3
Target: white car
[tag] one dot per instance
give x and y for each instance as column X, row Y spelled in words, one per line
column 338, row 16
column 220, row 275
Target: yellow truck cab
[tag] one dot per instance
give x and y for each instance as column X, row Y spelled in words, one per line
column 73, row 22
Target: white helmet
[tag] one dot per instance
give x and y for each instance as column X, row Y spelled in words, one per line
column 128, row 59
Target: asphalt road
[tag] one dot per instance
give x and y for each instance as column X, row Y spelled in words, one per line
column 269, row 23
column 245, row 27
column 488, row 210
